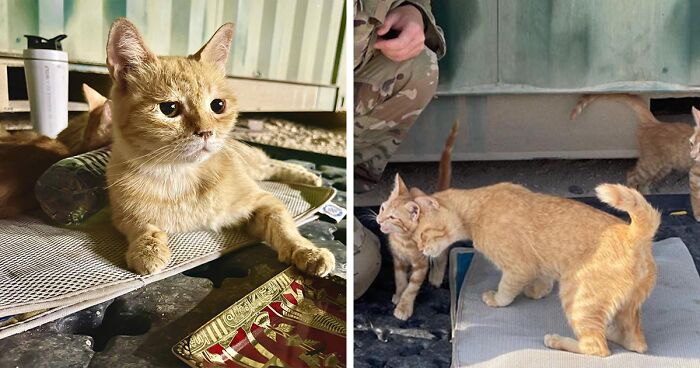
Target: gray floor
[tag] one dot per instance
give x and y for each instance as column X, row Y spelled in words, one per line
column 423, row 341
column 570, row 178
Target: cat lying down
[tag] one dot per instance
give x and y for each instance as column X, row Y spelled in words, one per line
column 174, row 165
column 604, row 265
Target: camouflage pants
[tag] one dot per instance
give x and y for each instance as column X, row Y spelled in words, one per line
column 389, row 96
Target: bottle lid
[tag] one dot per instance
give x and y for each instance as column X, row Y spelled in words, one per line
column 37, row 42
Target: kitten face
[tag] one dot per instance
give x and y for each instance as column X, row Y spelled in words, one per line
column 175, row 109
column 187, row 116
column 435, row 231
column 398, row 214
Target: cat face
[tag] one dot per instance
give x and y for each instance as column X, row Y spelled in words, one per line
column 399, row 213
column 695, row 138
column 174, row 109
column 437, row 229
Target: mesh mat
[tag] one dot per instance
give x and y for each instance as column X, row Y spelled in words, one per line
column 513, row 336
column 45, row 266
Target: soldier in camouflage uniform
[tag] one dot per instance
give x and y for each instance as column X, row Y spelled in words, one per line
column 397, row 44
column 395, row 78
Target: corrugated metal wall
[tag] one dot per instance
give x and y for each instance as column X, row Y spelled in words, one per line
column 525, row 46
column 515, row 68
column 288, row 40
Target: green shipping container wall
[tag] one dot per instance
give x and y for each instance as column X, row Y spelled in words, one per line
column 515, row 68
column 297, row 41
column 525, row 46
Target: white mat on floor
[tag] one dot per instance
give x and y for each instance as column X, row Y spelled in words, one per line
column 66, row 269
column 513, row 336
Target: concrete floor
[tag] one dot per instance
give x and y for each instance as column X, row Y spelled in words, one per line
column 423, row 341
column 569, row 178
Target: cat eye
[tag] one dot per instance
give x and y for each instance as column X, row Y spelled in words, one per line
column 218, row 106
column 170, row 109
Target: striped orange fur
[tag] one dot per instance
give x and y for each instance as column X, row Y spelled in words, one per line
column 604, row 265
column 397, row 217
column 663, row 147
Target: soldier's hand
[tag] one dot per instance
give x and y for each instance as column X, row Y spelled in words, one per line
column 408, row 22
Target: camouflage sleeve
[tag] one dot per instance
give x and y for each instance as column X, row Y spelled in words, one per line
column 434, row 37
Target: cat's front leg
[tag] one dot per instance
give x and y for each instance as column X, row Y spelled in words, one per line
column 438, row 265
column 404, row 309
column 508, row 288
column 400, row 278
column 694, row 180
column 272, row 223
column 148, row 250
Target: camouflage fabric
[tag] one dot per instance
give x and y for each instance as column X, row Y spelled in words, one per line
column 389, row 96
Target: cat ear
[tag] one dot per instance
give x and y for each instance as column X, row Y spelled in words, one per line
column 413, row 210
column 415, row 192
column 216, row 50
column 93, row 98
column 427, row 201
column 696, row 116
column 126, row 50
column 399, row 186
column 98, row 132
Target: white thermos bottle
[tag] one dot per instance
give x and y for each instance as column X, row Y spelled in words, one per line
column 46, row 70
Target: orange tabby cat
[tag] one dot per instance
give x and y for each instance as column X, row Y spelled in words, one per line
column 397, row 217
column 25, row 156
column 174, row 167
column 663, row 147
column 604, row 265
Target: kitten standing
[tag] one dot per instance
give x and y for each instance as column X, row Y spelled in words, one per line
column 175, row 167
column 604, row 265
column 397, row 217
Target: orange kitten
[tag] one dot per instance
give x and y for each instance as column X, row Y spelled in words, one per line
column 397, row 217
column 604, row 265
column 174, row 167
column 25, row 156
column 663, row 147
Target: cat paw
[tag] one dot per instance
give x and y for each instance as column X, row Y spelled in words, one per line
column 395, row 298
column 314, row 261
column 538, row 290
column 403, row 311
column 697, row 217
column 489, row 298
column 149, row 253
column 552, row 341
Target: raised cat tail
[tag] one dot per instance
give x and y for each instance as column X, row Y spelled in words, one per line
column 645, row 218
column 445, row 168
column 636, row 103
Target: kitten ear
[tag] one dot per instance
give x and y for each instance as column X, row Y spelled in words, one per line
column 696, row 116
column 399, row 186
column 217, row 49
column 415, row 192
column 126, row 50
column 98, row 132
column 427, row 201
column 413, row 210
column 94, row 99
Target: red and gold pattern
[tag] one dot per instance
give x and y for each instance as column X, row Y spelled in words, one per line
column 290, row 321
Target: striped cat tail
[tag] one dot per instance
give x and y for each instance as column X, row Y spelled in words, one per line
column 445, row 168
column 645, row 218
column 636, row 103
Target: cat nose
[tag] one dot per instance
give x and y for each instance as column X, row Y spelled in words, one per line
column 205, row 134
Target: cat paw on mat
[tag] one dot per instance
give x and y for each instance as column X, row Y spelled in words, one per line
column 314, row 261
column 149, row 253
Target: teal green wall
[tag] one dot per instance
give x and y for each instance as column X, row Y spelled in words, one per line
column 507, row 46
